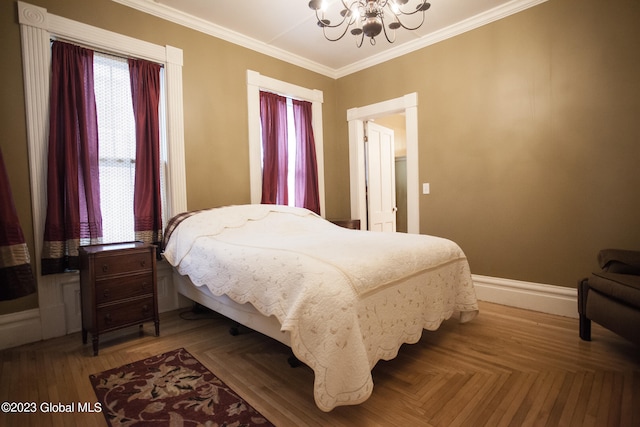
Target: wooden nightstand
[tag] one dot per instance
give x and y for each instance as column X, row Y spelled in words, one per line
column 118, row 288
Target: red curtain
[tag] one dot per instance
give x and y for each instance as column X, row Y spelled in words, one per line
column 16, row 276
column 307, row 195
column 147, row 203
column 273, row 116
column 73, row 188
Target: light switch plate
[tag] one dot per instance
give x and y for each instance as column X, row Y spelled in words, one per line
column 426, row 188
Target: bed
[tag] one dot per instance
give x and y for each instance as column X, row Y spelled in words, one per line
column 341, row 299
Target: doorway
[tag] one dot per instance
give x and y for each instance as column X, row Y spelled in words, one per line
column 407, row 105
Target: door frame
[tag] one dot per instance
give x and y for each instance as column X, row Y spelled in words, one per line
column 407, row 104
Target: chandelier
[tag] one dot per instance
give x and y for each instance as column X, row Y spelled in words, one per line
column 367, row 18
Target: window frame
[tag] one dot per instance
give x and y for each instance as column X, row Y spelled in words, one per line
column 257, row 82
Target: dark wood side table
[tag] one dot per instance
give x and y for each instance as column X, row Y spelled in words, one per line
column 118, row 288
column 353, row 224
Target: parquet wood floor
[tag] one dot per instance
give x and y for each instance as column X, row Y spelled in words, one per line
column 508, row 367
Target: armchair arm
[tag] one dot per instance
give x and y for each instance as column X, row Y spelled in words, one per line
column 620, row 261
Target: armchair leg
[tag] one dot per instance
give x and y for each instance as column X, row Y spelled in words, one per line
column 585, row 328
column 585, row 322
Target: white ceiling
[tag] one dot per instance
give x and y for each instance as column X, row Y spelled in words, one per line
column 287, row 29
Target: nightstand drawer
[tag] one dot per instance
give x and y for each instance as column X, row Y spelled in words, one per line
column 124, row 313
column 108, row 265
column 119, row 288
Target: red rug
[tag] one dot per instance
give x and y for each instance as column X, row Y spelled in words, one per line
column 171, row 389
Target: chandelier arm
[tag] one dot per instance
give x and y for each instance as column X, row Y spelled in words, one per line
column 350, row 6
column 418, row 9
column 324, row 31
column 410, row 28
column 321, row 24
column 408, row 13
column 384, row 28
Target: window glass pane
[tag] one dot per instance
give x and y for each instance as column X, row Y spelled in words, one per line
column 117, row 146
column 291, row 153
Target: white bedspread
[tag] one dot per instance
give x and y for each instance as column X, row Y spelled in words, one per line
column 349, row 298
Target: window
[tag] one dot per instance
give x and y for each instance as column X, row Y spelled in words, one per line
column 289, row 161
column 117, row 148
column 38, row 28
column 257, row 82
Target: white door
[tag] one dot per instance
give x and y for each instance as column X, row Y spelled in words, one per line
column 381, row 185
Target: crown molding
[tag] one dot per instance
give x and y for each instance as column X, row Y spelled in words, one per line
column 451, row 31
column 201, row 25
column 206, row 27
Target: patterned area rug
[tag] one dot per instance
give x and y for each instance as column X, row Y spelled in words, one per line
column 171, row 389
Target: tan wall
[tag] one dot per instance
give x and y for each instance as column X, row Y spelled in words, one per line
column 529, row 134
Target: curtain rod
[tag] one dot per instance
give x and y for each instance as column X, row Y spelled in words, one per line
column 101, row 51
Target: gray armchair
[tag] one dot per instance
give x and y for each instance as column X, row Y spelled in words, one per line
column 611, row 297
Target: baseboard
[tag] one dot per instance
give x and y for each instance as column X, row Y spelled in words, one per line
column 549, row 299
column 20, row 328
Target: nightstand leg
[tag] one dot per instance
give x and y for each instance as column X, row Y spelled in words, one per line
column 157, row 323
column 84, row 336
column 95, row 345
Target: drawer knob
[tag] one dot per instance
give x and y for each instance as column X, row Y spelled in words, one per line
column 107, row 318
column 105, row 293
column 105, row 268
column 145, row 308
column 144, row 286
column 143, row 263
